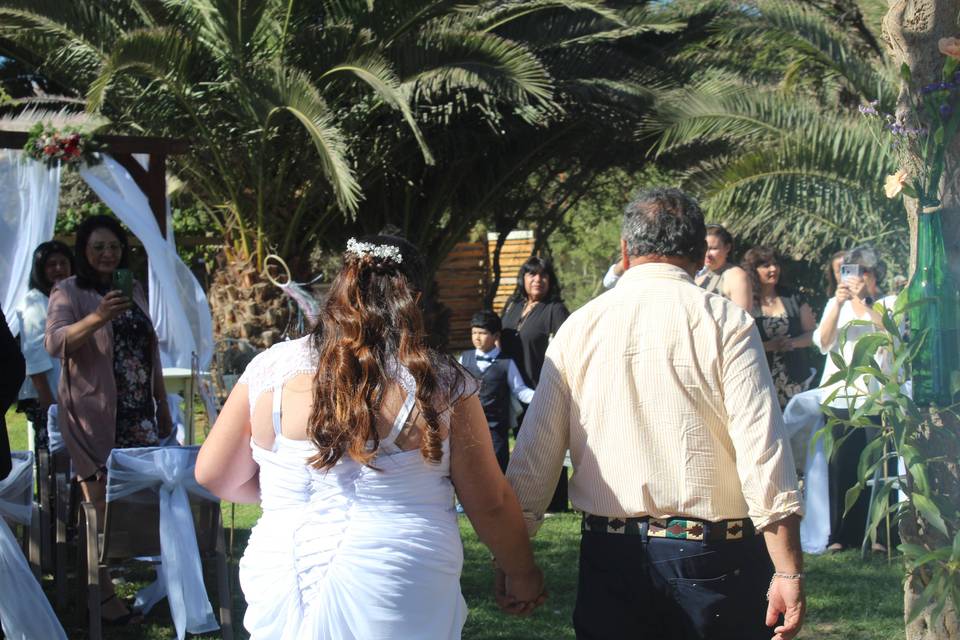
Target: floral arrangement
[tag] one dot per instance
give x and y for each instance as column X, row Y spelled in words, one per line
column 938, row 104
column 68, row 146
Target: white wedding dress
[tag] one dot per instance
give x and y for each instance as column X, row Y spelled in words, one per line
column 351, row 552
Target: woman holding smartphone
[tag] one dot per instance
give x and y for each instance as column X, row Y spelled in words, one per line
column 857, row 291
column 111, row 391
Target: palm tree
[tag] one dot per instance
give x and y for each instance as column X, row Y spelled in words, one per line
column 277, row 98
column 786, row 159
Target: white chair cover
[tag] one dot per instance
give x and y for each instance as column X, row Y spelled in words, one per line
column 178, row 305
column 29, row 196
column 25, row 613
column 169, row 472
column 803, row 418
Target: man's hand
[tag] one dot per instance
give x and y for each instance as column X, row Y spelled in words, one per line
column 519, row 594
column 786, row 597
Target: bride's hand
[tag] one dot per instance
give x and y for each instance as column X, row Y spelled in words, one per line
column 519, row 594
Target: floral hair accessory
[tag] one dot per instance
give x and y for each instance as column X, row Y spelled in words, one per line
column 386, row 252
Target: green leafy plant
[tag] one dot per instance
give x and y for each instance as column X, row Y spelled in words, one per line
column 919, row 438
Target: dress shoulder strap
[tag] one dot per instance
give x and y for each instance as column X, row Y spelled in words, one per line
column 401, row 420
column 277, row 400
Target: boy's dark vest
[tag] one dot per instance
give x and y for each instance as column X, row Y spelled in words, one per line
column 494, row 388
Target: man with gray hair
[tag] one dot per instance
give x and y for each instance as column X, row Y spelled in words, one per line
column 686, row 482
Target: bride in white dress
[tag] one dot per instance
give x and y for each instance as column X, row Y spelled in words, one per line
column 354, row 440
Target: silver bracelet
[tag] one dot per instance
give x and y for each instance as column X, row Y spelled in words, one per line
column 789, row 576
column 785, row 576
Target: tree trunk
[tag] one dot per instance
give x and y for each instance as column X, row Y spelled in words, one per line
column 911, row 30
column 246, row 306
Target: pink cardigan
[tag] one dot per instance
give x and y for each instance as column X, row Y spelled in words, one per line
column 87, row 394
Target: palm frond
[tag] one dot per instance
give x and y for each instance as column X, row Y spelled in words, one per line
column 302, row 100
column 376, row 72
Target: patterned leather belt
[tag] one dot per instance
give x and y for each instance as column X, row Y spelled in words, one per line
column 673, row 528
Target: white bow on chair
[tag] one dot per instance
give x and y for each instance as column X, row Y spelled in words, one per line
column 169, row 471
column 25, row 612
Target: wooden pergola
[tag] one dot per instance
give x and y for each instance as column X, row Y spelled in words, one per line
column 152, row 180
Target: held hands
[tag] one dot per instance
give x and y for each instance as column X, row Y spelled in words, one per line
column 112, row 305
column 519, row 594
column 786, row 597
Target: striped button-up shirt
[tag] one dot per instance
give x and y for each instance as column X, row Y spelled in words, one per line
column 661, row 392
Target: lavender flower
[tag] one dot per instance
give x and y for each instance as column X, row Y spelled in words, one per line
column 869, row 109
column 937, row 86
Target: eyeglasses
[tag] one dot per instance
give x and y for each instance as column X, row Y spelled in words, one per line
column 101, row 247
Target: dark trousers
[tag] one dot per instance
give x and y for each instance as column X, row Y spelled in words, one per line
column 842, row 475
column 560, row 502
column 501, row 446
column 631, row 586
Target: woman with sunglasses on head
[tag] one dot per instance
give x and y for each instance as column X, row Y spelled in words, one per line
column 839, row 330
column 111, row 392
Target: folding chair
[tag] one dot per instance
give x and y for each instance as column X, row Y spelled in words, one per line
column 59, row 503
column 136, row 525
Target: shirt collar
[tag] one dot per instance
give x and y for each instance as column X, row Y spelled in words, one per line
column 655, row 270
column 493, row 353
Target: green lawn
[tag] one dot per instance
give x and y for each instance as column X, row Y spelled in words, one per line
column 848, row 599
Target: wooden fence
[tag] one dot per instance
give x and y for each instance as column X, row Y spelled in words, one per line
column 465, row 275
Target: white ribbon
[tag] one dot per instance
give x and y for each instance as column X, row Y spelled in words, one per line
column 169, row 472
column 25, row 613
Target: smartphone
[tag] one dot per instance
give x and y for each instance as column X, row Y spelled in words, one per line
column 850, row 271
column 123, row 282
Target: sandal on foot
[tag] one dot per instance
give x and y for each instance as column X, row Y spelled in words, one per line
column 132, row 616
column 836, row 547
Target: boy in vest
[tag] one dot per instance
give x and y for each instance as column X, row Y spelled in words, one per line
column 499, row 379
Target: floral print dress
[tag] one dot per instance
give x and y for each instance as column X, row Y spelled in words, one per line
column 132, row 365
column 777, row 327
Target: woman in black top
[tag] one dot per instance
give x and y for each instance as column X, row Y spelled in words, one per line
column 532, row 317
column 785, row 322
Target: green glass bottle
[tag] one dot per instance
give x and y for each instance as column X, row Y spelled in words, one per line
column 936, row 309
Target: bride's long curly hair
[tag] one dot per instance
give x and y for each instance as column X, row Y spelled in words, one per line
column 372, row 321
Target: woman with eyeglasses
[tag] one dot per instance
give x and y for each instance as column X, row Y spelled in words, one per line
column 111, row 391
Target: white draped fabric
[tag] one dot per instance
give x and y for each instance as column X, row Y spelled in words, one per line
column 25, row 613
column 29, row 196
column 803, row 418
column 178, row 305
column 169, row 472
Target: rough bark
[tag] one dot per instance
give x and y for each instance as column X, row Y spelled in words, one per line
column 246, row 306
column 911, row 30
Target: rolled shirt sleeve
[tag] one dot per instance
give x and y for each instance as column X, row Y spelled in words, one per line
column 542, row 442
column 763, row 457
column 60, row 316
